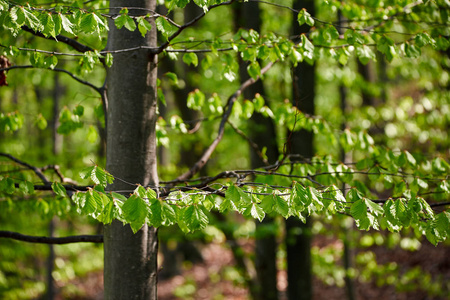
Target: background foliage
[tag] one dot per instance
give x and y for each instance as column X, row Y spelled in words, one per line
column 394, row 127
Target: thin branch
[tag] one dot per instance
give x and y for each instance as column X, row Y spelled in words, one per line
column 52, row 240
column 439, row 204
column 36, row 170
column 68, row 187
column 45, row 51
column 57, row 171
column 250, row 142
column 84, row 82
column 188, row 24
column 207, row 154
column 61, row 38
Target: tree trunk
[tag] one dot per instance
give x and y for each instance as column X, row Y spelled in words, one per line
column 262, row 132
column 347, row 227
column 130, row 270
column 298, row 234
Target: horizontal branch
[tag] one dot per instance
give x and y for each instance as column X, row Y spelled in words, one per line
column 84, row 82
column 61, row 38
column 52, row 240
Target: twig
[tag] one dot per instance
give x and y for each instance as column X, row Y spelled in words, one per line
column 52, row 240
column 250, row 142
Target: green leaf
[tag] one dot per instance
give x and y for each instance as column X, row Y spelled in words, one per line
column 59, row 189
column 165, row 27
column 50, row 62
column 358, row 209
column 48, row 25
column 195, row 218
column 118, row 196
column 92, row 135
column 304, row 17
column 140, row 191
column 86, row 172
column 190, row 58
column 233, row 197
column 373, row 207
column 89, row 23
column 135, row 211
column 79, row 110
column 411, row 160
column 399, row 188
column 353, row 37
column 439, row 165
column 67, row 25
column 109, row 60
column 99, row 176
column 107, row 214
column 41, row 122
column 255, row 211
column 247, row 109
column 281, row 206
column 267, row 203
column 254, row 70
column 173, row 77
column 412, row 50
column 7, row 185
column 196, row 100
column 300, row 197
column 427, row 207
column 365, row 54
column 125, row 20
column 364, row 164
column 168, row 214
column 26, row 187
column 374, row 173
column 4, row 6
column 156, row 217
column 443, row 224
column 143, row 26
column 30, row 19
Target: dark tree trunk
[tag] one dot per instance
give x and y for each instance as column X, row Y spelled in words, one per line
column 347, row 257
column 298, row 234
column 262, row 132
column 367, row 73
column 130, row 270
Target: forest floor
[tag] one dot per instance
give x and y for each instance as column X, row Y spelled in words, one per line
column 213, row 279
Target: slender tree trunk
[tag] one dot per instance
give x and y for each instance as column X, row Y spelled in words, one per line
column 130, row 260
column 298, row 234
column 56, row 149
column 347, row 227
column 262, row 132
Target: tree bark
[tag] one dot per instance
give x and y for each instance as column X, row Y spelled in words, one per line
column 130, row 270
column 298, row 234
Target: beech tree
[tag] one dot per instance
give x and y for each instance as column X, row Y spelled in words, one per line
column 111, row 53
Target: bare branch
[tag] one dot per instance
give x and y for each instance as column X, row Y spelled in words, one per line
column 52, row 240
column 61, row 38
column 57, row 170
column 84, row 82
column 207, row 154
column 36, row 170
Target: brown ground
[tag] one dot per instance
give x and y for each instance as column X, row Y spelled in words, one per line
column 206, row 280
